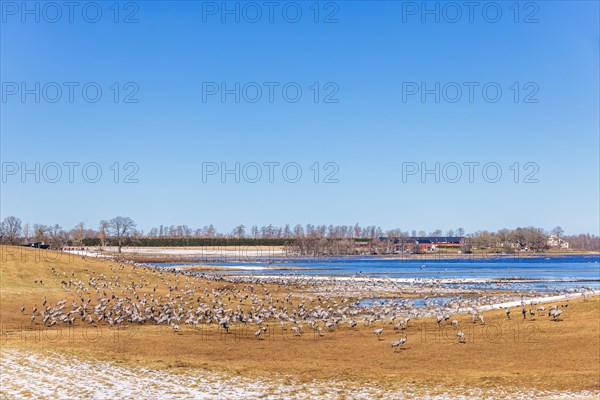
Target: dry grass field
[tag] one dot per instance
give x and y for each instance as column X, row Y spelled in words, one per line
column 502, row 355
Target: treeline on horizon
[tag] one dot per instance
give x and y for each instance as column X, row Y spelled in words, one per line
column 302, row 239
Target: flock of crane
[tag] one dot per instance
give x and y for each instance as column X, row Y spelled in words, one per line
column 184, row 298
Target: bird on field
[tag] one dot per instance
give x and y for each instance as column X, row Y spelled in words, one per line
column 524, row 312
column 378, row 332
column 507, row 312
column 461, row 336
column 179, row 297
column 541, row 310
column 555, row 314
column 297, row 330
column 399, row 343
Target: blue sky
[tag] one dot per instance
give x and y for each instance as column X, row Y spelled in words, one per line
column 370, row 57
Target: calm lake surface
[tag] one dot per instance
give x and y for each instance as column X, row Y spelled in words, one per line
column 555, row 272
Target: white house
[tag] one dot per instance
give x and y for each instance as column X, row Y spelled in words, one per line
column 555, row 241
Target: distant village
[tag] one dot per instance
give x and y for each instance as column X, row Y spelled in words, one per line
column 302, row 240
column 458, row 244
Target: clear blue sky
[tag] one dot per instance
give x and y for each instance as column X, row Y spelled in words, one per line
column 369, row 55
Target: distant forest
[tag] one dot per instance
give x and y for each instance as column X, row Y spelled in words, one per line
column 303, row 239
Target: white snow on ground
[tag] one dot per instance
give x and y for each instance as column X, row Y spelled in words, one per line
column 536, row 300
column 86, row 253
column 25, row 375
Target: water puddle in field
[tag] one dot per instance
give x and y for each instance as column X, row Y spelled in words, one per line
column 429, row 302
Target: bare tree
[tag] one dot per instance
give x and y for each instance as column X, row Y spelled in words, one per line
column 57, row 236
column 537, row 239
column 557, row 231
column 102, row 232
column 583, row 241
column 287, row 231
column 298, row 231
column 26, row 232
column 239, row 231
column 11, row 230
column 356, row 231
column 78, row 233
column 41, row 233
column 121, row 228
column 209, row 231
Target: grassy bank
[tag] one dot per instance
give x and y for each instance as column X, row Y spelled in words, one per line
column 540, row 353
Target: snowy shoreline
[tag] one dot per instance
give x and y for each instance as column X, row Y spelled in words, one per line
column 27, row 374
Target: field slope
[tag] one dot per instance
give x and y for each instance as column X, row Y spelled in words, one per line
column 503, row 356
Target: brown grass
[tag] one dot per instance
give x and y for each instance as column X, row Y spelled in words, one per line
column 540, row 354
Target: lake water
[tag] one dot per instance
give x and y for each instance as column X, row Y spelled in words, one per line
column 553, row 273
column 431, row 302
